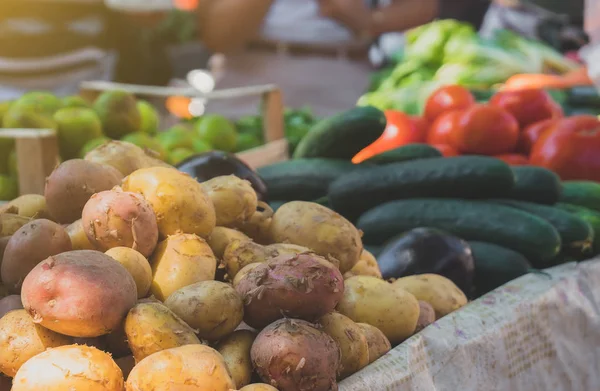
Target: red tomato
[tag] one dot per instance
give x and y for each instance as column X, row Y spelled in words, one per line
column 486, row 130
column 571, row 149
column 514, row 159
column 528, row 106
column 442, row 129
column 401, row 129
column 532, row 133
column 446, row 150
column 422, row 126
column 447, row 98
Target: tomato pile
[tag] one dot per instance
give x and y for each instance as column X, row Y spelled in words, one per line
column 520, row 127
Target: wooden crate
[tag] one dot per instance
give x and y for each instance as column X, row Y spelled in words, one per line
column 38, row 154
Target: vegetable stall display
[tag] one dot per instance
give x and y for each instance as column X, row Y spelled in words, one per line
column 129, row 274
column 449, row 52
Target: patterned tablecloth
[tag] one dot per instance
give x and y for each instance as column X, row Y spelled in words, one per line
column 538, row 332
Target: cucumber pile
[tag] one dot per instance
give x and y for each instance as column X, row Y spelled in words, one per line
column 516, row 217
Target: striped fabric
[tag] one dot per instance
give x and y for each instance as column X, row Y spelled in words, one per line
column 53, row 45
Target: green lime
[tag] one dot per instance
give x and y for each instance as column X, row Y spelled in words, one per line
column 17, row 118
column 9, row 188
column 4, row 106
column 179, row 136
column 150, row 117
column 76, row 126
column 247, row 141
column 75, row 101
column 144, row 140
column 92, row 144
column 118, row 113
column 200, row 146
column 39, row 102
column 218, row 131
column 178, row 155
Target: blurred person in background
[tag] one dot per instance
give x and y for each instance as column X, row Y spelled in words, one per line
column 315, row 50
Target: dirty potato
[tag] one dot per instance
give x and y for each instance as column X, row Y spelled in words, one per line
column 21, row 339
column 30, row 245
column 322, row 230
column 235, row 349
column 79, row 293
column 69, row 367
column 72, row 184
column 180, row 260
column 439, row 291
column 221, row 237
column 366, row 266
column 124, row 156
column 351, row 340
column 212, row 308
column 303, row 286
column 292, row 354
column 79, row 240
column 11, row 222
column 426, row 316
column 234, row 199
column 179, row 202
column 115, row 218
column 376, row 340
column 151, row 327
column 370, row 300
column 28, row 205
column 137, row 265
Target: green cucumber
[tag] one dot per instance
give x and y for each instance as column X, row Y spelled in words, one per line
column 509, row 227
column 582, row 193
column 576, row 234
column 303, row 179
column 405, row 153
column 454, row 177
column 589, row 215
column 495, row 266
column 343, row 135
column 536, row 184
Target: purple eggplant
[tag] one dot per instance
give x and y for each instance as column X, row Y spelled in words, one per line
column 211, row 164
column 428, row 250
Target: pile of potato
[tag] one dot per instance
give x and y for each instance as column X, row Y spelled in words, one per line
column 140, row 278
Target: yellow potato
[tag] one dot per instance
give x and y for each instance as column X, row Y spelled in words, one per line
column 212, row 308
column 136, row 264
column 258, row 387
column 11, row 222
column 185, row 368
column 351, row 340
column 234, row 199
column 70, row 367
column 443, row 295
column 28, row 205
column 79, row 239
column 151, row 327
column 366, row 266
column 235, row 350
column 221, row 237
column 322, row 230
column 258, row 226
column 21, row 339
column 239, row 254
column 124, row 156
column 179, row 202
column 181, row 260
column 376, row 302
column 377, row 341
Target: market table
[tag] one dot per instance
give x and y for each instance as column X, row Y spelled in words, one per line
column 538, row 332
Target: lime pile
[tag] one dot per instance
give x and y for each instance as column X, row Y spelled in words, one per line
column 82, row 126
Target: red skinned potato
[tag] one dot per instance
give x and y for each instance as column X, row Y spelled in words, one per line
column 79, row 293
column 292, row 355
column 71, row 185
column 426, row 315
column 30, row 245
column 9, row 303
column 115, row 218
column 304, row 286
